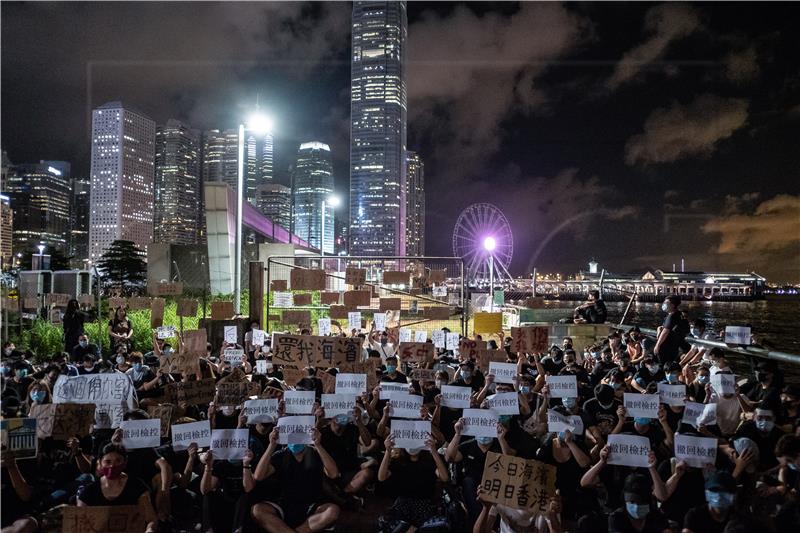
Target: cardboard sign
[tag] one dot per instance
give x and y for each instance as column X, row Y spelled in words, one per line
column 486, row 357
column 282, row 299
column 307, row 280
column 55, row 316
column 420, row 336
column 157, row 312
column 30, row 303
column 18, row 438
column 439, row 339
column 696, row 451
column 329, row 298
column 504, row 403
column 324, row 326
column 231, row 334
column 258, row 337
column 194, row 432
column 469, row 349
column 102, row 519
column 354, row 320
column 355, row 276
column 506, row 372
column 530, row 339
column 221, row 310
column 292, row 375
column 108, row 416
column 162, row 413
column 417, row 352
column 296, row 429
column 338, row 404
column 166, row 332
column 480, row 422
column 518, row 483
column 165, row 289
column 405, row 405
column 339, row 311
column 737, row 335
column 278, row 285
column 723, row 383
column 451, row 342
column 302, row 299
column 328, row 382
column 672, row 394
column 628, row 450
column 437, row 313
column 230, row 444
column 64, row 420
column 456, row 397
column 187, row 307
column 88, row 301
column 236, row 392
column 390, row 304
column 261, row 410
column 299, row 318
column 410, row 434
column 136, row 303
column 437, row 276
column 424, row 374
column 59, row 300
column 388, row 389
column 299, row 402
column 699, row 414
column 351, row 384
column 396, row 277
column 234, row 356
column 192, row 392
column 535, row 302
column 141, row 434
column 641, row 405
column 293, row 350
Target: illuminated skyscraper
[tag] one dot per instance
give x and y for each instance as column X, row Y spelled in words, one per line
column 221, row 156
column 79, row 223
column 312, row 183
column 122, row 171
column 378, row 129
column 177, row 185
column 415, row 204
column 275, row 202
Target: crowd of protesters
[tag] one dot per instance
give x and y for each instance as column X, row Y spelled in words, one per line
column 354, row 462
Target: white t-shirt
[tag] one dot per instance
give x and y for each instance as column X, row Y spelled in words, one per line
column 729, row 413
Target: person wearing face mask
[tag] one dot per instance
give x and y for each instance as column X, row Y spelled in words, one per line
column 762, row 431
column 141, row 375
column 38, row 394
column 787, row 450
column 10, row 351
column 696, row 390
column 83, row 348
column 20, row 381
column 571, row 368
column 603, row 366
column 392, row 374
column 601, row 412
column 379, row 341
column 659, row 433
column 554, row 362
column 729, row 409
column 712, row 517
column 467, row 377
column 341, row 437
column 114, row 487
column 789, row 416
column 649, row 371
column 766, row 392
column 640, row 513
column 673, row 330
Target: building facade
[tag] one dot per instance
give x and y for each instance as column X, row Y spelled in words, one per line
column 177, row 207
column 221, row 156
column 122, row 175
column 275, row 201
column 415, row 204
column 79, row 221
column 6, row 232
column 312, row 183
column 378, row 129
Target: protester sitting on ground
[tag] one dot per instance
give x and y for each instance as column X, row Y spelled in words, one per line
column 120, row 329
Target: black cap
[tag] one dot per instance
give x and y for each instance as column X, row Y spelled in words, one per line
column 721, row 480
column 637, row 488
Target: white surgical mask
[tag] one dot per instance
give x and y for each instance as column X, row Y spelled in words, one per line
column 120, row 359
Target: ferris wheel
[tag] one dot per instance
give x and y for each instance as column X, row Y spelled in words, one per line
column 481, row 231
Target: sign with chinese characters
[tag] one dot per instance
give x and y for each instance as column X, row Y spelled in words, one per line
column 420, row 336
column 258, row 338
column 299, row 402
column 338, row 404
column 410, row 434
column 628, row 450
column 504, row 403
column 234, row 356
column 192, row 392
column 672, row 394
column 518, row 483
column 352, row 384
column 485, row 357
column 293, row 350
column 480, row 422
column 354, row 320
column 417, row 352
column 737, row 335
column 562, row 386
column 261, row 410
column 231, row 335
column 405, row 405
column 388, row 389
column 230, row 444
column 355, row 276
column 451, row 341
column 64, row 420
column 641, row 405
column 194, row 432
column 102, row 519
column 723, row 383
column 695, row 451
column 699, row 414
column 556, row 422
column 505, row 372
column 439, row 338
column 262, row 366
column 166, row 332
column 324, row 326
column 456, row 397
column 406, row 335
column 296, row 429
column 530, row 339
column 141, row 433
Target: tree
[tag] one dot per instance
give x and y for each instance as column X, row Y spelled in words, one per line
column 123, row 266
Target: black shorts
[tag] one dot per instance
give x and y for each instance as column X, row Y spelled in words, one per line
column 294, row 514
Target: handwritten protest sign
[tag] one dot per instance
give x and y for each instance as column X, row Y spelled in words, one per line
column 672, row 394
column 488, row 322
column 157, row 312
column 505, row 372
column 113, row 388
column 390, row 304
column 451, row 341
column 338, row 404
column 302, row 279
column 88, row 301
column 695, row 451
column 420, row 336
column 258, row 337
column 351, row 384
column 437, row 313
column 439, row 291
column 379, row 320
column 355, row 276
column 518, row 483
column 231, row 334
column 485, row 357
column 187, row 307
column 18, row 438
column 64, row 420
column 230, row 444
column 699, row 414
column 456, row 397
column 107, row 416
column 396, row 277
column 410, row 434
column 194, row 432
column 234, row 356
column 296, row 429
column 324, row 326
column 353, row 299
column 221, row 310
column 192, row 392
column 278, row 285
column 405, row 405
column 405, row 335
column 166, row 332
column 299, row 402
column 641, row 405
column 292, row 350
column 723, row 383
column 562, row 386
column 302, row 299
column 504, row 403
column 423, row 374
column 529, row 339
column 628, row 450
column 141, row 433
column 470, row 349
column 329, row 298
column 417, row 352
column 194, row 342
column 102, row 519
column 292, row 375
column 439, row 338
column 163, row 413
column 165, row 289
column 261, row 410
column 138, row 302
column 480, row 422
column 388, row 389
column 354, row 320
column 235, row 392
column 116, row 302
column 300, row 318
column 58, row 299
column 737, row 335
column 262, row 366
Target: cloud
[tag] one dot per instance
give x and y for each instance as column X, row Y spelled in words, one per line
column 774, row 225
column 664, row 24
column 742, row 66
column 684, row 130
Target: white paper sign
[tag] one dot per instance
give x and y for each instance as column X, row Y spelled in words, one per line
column 737, row 335
column 338, row 404
column 185, row 434
column 141, row 433
column 456, row 397
column 388, row 389
column 296, row 429
column 324, row 326
column 439, row 291
column 438, row 338
column 166, row 332
column 480, row 423
column 723, row 383
column 699, row 414
column 283, row 299
column 405, row 405
column 380, row 321
column 354, row 320
column 109, row 416
column 406, row 335
column 264, row 411
column 628, row 450
column 231, row 335
column 114, row 390
column 299, row 402
column 410, row 434
column 451, row 341
column 557, row 422
column 672, row 394
column 695, row 451
column 420, row 336
column 352, row 384
column 258, row 337
column 263, row 366
column 504, row 403
column 641, row 405
column 229, row 444
column 562, row 386
column 234, row 356
column 504, row 372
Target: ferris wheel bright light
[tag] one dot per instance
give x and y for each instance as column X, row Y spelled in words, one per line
column 482, row 231
column 489, row 243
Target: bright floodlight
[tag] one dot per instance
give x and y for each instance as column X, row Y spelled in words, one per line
column 489, row 243
column 259, row 124
column 41, row 248
column 333, row 201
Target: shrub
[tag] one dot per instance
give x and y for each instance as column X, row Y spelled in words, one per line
column 44, row 339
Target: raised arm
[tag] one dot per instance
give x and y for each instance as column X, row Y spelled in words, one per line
column 331, row 470
column 383, row 472
column 441, row 468
column 452, row 453
column 264, row 469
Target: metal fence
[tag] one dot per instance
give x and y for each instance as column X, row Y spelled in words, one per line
column 425, row 299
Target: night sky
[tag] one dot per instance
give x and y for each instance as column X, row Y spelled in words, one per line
column 635, row 134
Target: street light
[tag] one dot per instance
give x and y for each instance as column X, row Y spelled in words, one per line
column 258, row 124
column 489, row 244
column 333, row 202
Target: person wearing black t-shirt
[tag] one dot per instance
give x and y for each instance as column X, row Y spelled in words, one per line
column 603, row 367
column 470, row 456
column 602, row 412
column 17, row 496
column 673, row 331
column 640, row 514
column 392, row 374
column 468, row 377
column 660, row 435
column 341, row 437
column 718, row 510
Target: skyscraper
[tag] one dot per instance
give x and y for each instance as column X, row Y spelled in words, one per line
column 378, row 129
column 415, row 204
column 221, row 156
column 312, row 183
column 79, row 221
column 6, row 232
column 122, row 173
column 275, row 201
column 177, row 184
